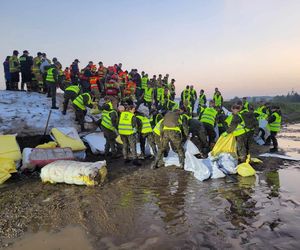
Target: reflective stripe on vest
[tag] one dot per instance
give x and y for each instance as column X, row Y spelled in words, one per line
column 106, row 119
column 275, row 126
column 177, row 128
column 156, row 129
column 146, row 125
column 218, row 100
column 125, row 124
column 209, row 116
column 78, row 101
column 240, row 129
column 148, row 94
column 73, row 88
column 228, row 119
column 50, row 77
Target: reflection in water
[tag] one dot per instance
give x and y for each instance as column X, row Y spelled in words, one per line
column 242, row 205
column 272, row 179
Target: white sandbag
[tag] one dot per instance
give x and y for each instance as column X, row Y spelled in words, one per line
column 148, row 150
column 191, row 148
column 96, row 142
column 172, row 159
column 143, row 109
column 216, row 172
column 227, row 162
column 25, row 159
column 200, row 167
column 262, row 123
column 73, row 172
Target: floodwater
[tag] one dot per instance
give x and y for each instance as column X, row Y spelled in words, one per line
column 169, row 209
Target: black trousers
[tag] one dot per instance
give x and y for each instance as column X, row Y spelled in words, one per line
column 52, row 92
column 272, row 138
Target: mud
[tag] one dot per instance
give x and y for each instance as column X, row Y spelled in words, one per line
column 168, row 208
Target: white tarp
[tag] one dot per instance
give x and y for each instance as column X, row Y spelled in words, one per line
column 72, row 172
column 284, row 157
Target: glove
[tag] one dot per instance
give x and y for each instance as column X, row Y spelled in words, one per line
column 224, row 134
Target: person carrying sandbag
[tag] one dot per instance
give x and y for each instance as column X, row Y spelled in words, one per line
column 240, row 131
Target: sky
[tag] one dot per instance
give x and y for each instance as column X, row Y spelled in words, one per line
column 245, row 48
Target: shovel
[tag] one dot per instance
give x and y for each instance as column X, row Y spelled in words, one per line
column 44, row 138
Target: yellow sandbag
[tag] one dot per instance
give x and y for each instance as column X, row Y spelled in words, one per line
column 50, row 144
column 245, row 169
column 256, row 160
column 225, row 145
column 119, row 140
column 9, row 148
column 4, row 176
column 65, row 141
column 8, row 165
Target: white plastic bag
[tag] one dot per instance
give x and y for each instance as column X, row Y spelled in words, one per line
column 228, row 162
column 96, row 142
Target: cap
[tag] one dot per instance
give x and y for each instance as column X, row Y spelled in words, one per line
column 39, row 53
column 25, row 52
column 76, row 60
column 15, row 52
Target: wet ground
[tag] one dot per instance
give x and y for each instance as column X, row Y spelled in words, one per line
column 163, row 209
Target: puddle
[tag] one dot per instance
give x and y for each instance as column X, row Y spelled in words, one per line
column 71, row 238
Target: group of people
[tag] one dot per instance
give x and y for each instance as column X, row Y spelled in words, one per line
column 139, row 108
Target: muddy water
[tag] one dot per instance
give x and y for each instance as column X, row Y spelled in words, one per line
column 167, row 209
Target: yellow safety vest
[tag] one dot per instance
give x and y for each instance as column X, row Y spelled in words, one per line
column 275, row 126
column 201, row 100
column 78, row 101
column 106, row 119
column 146, row 125
column 218, row 100
column 50, row 76
column 144, row 82
column 156, row 129
column 160, row 92
column 73, row 88
column 125, row 124
column 148, row 94
column 209, row 116
column 177, row 128
column 186, row 95
column 240, row 129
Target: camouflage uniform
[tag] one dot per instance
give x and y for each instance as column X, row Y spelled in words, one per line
column 129, row 142
column 199, row 137
column 174, row 137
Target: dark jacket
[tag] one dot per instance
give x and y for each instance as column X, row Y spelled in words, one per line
column 26, row 62
column 6, row 70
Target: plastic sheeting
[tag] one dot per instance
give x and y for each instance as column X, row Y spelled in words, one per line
column 9, row 148
column 72, row 172
column 284, row 157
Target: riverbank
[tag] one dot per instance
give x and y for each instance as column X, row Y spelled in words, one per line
column 139, row 208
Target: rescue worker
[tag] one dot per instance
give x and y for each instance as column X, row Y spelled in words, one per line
column 109, row 124
column 157, row 138
column 164, row 98
column 172, row 131
column 172, row 89
column 238, row 128
column 37, row 72
column 26, row 64
column 102, row 71
column 159, row 90
column 218, row 99
column 144, row 80
column 127, row 129
column 220, row 120
column 74, row 71
column 170, row 105
column 201, row 101
column 51, row 82
column 80, row 103
column 70, row 93
column 274, row 125
column 245, row 103
column 155, row 116
column 145, row 132
column 6, row 72
column 208, row 118
column 14, row 70
column 94, row 85
column 193, row 94
column 199, row 137
column 67, row 74
column 186, row 95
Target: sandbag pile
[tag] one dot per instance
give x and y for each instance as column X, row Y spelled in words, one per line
column 72, row 172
